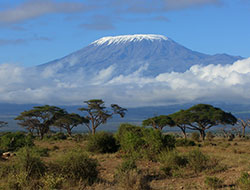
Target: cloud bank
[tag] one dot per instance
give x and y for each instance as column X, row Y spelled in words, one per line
column 229, row 83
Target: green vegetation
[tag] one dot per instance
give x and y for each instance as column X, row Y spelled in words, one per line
column 76, row 165
column 244, row 181
column 213, row 182
column 142, row 142
column 98, row 114
column 39, row 119
column 102, row 142
column 14, row 141
column 135, row 157
column 158, row 122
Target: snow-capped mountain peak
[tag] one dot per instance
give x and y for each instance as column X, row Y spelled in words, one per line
column 123, row 55
column 128, row 38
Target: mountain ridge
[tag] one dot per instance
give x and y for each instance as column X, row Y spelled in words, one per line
column 130, row 52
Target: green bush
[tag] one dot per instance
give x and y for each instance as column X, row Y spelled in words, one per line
column 195, row 136
column 171, row 161
column 5, row 169
column 14, row 141
column 52, row 181
column 29, row 162
column 198, row 162
column 142, row 142
column 76, row 165
column 126, row 127
column 213, row 182
column 155, row 142
column 184, row 142
column 127, row 164
column 244, row 181
column 102, row 142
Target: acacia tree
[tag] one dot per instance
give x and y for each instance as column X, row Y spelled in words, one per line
column 98, row 114
column 39, row 119
column 159, row 122
column 180, row 120
column 204, row 116
column 243, row 124
column 68, row 121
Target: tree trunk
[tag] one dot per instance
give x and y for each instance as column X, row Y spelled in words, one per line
column 202, row 133
column 184, row 133
column 243, row 132
column 69, row 132
column 183, row 129
column 93, row 131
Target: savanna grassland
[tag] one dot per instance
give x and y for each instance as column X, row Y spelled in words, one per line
column 133, row 158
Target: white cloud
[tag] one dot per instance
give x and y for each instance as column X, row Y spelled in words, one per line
column 229, row 83
column 31, row 9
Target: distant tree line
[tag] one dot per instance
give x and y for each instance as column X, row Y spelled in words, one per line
column 40, row 119
column 200, row 117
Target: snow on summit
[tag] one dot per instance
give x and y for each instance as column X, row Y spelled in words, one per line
column 128, row 38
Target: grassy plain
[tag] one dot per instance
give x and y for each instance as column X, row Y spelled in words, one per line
column 233, row 158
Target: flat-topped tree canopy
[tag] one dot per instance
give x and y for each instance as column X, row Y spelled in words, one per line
column 40, row 118
column 98, row 114
column 68, row 121
column 180, row 119
column 159, row 122
column 204, row 116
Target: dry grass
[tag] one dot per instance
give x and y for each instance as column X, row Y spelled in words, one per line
column 234, row 154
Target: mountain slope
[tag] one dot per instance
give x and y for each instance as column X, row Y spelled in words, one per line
column 126, row 54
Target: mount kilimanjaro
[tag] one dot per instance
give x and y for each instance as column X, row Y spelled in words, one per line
column 128, row 53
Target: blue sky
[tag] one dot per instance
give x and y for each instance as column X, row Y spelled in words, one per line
column 33, row 32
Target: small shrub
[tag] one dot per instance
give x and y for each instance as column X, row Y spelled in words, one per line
column 102, row 142
column 184, row 142
column 126, row 127
column 213, row 182
column 28, row 161
column 14, row 141
column 195, row 136
column 5, row 169
column 52, row 181
column 20, row 181
column 171, row 161
column 197, row 161
column 244, row 181
column 76, row 165
column 155, row 142
column 141, row 142
column 128, row 164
